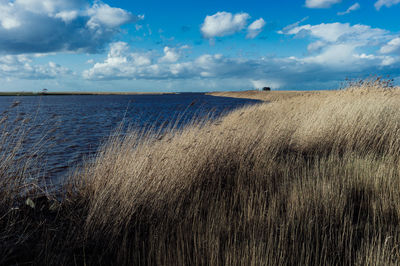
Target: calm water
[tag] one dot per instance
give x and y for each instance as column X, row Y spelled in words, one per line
column 75, row 126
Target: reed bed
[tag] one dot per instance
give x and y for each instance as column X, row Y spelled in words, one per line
column 307, row 180
column 267, row 96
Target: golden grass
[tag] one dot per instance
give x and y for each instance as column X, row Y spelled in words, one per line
column 268, row 96
column 308, row 180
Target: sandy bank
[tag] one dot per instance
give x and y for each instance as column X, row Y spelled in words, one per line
column 268, row 96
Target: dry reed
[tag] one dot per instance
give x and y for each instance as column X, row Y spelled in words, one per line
column 308, row 180
column 268, row 96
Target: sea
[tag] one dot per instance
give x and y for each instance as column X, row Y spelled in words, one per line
column 62, row 131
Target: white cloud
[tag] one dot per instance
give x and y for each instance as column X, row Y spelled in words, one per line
column 389, row 61
column 9, row 23
column 47, row 7
column 42, row 26
column 223, row 24
column 22, row 67
column 391, row 47
column 352, row 8
column 316, row 46
column 104, row 15
column 321, row 3
column 344, row 45
column 118, row 49
column 170, row 55
column 120, row 63
column 334, row 56
column 67, row 16
column 333, row 62
column 184, row 47
column 255, row 28
column 335, row 51
column 388, row 3
column 8, row 18
column 338, row 47
column 339, row 32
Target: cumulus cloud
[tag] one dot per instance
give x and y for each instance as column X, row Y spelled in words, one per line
column 22, row 67
column 335, row 51
column 67, row 16
column 316, row 46
column 339, row 32
column 223, row 24
column 391, row 47
column 334, row 56
column 170, row 55
column 46, row 6
column 321, row 3
column 255, row 28
column 333, row 62
column 339, row 44
column 123, row 64
column 388, row 3
column 120, row 63
column 39, row 26
column 352, row 8
column 344, row 46
column 102, row 15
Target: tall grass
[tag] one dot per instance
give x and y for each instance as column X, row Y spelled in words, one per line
column 269, row 96
column 17, row 179
column 312, row 179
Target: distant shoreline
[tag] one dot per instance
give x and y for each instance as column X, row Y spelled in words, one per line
column 251, row 94
column 266, row 96
column 80, row 93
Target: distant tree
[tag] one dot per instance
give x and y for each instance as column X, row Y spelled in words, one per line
column 44, row 91
column 266, row 89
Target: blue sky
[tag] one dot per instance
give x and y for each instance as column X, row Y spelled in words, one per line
column 177, row 45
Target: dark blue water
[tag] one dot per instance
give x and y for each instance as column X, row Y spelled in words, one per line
column 73, row 127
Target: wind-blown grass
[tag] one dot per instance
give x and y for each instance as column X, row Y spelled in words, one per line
column 269, row 96
column 313, row 179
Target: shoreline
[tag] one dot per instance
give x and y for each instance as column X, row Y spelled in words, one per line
column 80, row 93
column 265, row 96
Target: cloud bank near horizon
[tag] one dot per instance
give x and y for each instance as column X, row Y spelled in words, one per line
column 334, row 50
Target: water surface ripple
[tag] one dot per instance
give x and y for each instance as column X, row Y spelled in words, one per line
column 76, row 125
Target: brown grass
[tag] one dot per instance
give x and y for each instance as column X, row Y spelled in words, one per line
column 308, row 180
column 268, row 96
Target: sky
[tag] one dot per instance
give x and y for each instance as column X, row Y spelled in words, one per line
column 184, row 46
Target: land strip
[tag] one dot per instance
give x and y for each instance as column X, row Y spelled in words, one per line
column 268, row 96
column 79, row 93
